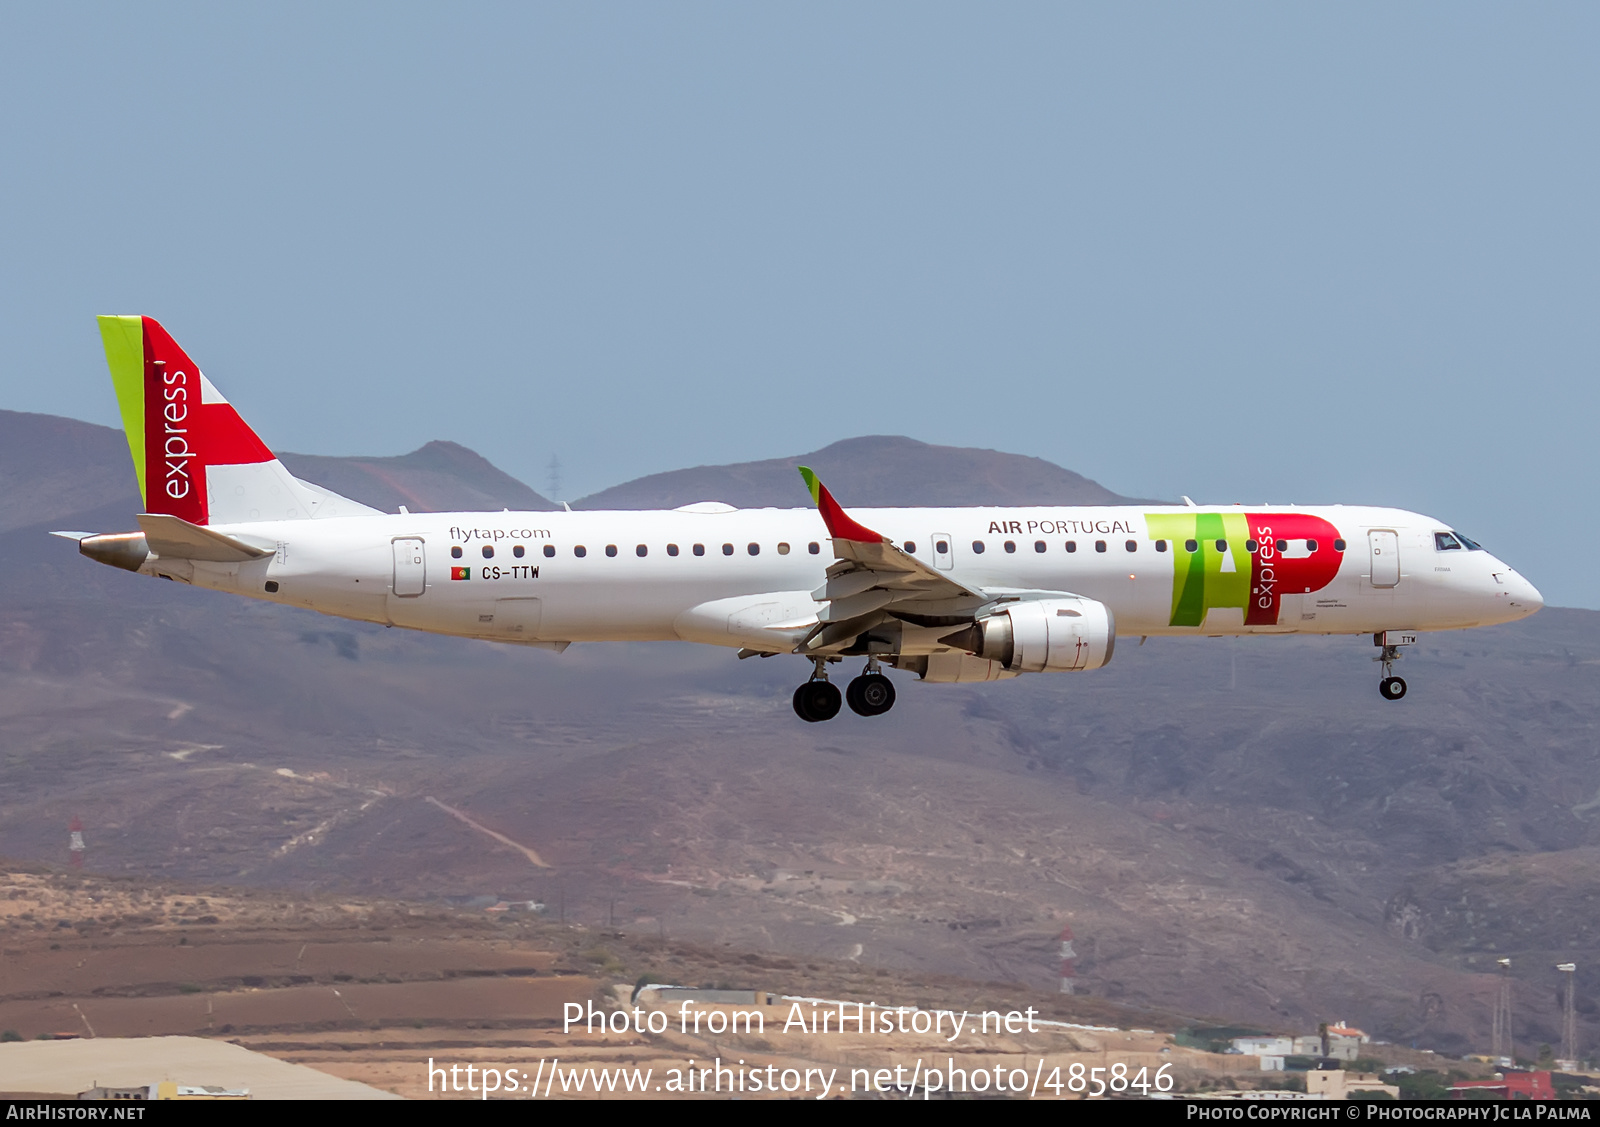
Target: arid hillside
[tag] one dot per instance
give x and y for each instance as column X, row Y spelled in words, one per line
column 1236, row 829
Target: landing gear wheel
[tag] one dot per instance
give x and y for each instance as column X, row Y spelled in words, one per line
column 815, row 701
column 1392, row 688
column 871, row 694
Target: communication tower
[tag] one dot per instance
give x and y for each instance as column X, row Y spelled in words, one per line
column 75, row 845
column 553, row 470
column 1504, row 1047
column 1569, row 1021
column 1069, row 966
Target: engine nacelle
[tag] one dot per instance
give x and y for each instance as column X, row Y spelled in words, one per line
column 1043, row 636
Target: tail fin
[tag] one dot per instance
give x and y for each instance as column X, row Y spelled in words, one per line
column 194, row 456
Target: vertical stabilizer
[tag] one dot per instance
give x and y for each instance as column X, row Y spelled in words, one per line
column 194, row 456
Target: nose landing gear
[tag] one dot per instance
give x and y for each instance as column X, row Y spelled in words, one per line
column 1389, row 643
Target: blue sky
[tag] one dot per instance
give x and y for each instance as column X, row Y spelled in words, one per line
column 1253, row 252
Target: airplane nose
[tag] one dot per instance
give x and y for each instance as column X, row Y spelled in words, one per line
column 1517, row 594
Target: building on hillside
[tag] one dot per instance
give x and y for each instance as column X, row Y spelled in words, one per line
column 1337, row 1084
column 165, row 1090
column 1344, row 1043
column 1271, row 1049
column 1508, row 1085
column 1264, row 1046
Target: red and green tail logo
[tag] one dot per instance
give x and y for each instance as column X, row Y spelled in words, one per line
column 177, row 423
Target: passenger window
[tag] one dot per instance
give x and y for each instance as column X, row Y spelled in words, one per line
column 611, row 549
column 580, row 551
column 517, row 551
column 1161, row 545
column 1251, row 546
column 1311, row 546
column 1099, row 545
column 1445, row 542
column 672, row 549
column 911, row 547
column 1038, row 546
column 727, row 549
column 977, row 547
column 1011, row 545
column 488, row 551
column 1282, row 545
column 1072, row 546
column 754, row 549
column 942, row 547
column 1132, row 545
column 1191, row 545
column 455, row 553
column 699, row 549
column 813, row 547
column 1338, row 545
column 641, row 551
column 549, row 550
column 1222, row 545
column 783, row 548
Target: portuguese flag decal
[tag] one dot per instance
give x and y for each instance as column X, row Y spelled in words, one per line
column 461, row 573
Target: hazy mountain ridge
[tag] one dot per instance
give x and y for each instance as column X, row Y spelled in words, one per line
column 867, row 472
column 438, row 477
column 52, row 467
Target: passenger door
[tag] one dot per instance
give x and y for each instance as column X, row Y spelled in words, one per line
column 410, row 567
column 1384, row 546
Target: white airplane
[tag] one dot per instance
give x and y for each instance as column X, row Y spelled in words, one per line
column 953, row 595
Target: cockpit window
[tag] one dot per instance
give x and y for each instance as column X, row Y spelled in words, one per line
column 1446, row 542
column 1469, row 545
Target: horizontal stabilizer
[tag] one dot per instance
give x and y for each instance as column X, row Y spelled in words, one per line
column 175, row 538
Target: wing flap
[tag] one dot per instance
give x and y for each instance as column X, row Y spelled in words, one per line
column 873, row 578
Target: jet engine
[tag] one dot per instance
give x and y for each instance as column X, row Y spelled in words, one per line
column 1064, row 635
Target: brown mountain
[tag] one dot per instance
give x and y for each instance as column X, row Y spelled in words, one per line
column 877, row 470
column 1237, row 828
column 53, row 470
column 440, row 477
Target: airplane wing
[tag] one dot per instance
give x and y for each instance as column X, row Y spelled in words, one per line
column 873, row 579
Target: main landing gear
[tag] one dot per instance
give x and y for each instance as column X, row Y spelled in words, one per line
column 871, row 694
column 1389, row 643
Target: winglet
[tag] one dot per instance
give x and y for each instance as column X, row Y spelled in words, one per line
column 840, row 526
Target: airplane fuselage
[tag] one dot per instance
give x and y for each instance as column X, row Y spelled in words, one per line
column 738, row 577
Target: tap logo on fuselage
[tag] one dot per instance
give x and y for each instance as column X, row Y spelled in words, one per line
column 1287, row 554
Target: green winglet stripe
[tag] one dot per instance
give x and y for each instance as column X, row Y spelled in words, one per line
column 124, row 341
column 813, row 486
